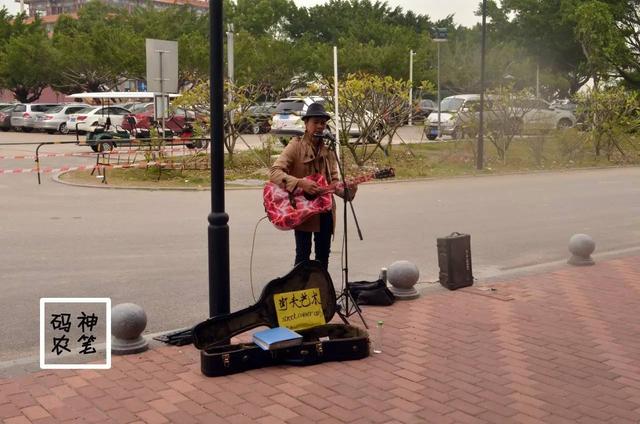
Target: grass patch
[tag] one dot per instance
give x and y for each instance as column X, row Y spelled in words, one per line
column 558, row 150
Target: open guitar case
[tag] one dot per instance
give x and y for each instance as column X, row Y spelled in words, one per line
column 322, row 343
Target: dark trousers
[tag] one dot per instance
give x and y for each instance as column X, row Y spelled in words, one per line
column 321, row 240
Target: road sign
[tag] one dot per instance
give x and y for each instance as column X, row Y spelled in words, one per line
column 162, row 66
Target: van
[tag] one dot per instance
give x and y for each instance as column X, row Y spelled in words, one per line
column 25, row 115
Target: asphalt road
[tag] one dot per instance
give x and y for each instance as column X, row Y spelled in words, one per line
column 150, row 247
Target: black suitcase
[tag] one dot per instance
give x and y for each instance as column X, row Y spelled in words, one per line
column 328, row 342
column 454, row 260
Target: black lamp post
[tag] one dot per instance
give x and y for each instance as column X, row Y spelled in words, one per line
column 218, row 230
column 480, row 158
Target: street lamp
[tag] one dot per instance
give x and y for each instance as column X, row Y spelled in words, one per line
column 411, row 54
column 480, row 156
column 441, row 37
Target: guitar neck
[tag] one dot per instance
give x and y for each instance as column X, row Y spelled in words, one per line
column 355, row 181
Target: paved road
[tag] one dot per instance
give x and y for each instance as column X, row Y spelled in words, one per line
column 150, row 247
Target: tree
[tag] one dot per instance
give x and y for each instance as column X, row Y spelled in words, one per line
column 181, row 24
column 375, row 106
column 610, row 114
column 546, row 29
column 26, row 62
column 608, row 32
column 263, row 17
column 236, row 110
column 96, row 51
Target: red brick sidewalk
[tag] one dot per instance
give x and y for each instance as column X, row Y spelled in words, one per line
column 562, row 347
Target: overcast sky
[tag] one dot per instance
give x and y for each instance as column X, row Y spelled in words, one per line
column 462, row 10
column 436, row 9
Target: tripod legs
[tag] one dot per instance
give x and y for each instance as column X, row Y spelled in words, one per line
column 347, row 306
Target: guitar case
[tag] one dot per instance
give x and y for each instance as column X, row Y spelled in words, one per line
column 328, row 342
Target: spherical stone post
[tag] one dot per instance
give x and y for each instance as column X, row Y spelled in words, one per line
column 403, row 275
column 581, row 247
column 128, row 321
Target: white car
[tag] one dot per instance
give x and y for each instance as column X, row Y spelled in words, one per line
column 457, row 110
column 287, row 118
column 89, row 118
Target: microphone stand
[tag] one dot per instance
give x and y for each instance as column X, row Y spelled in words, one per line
column 345, row 297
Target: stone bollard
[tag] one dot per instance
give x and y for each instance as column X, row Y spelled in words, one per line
column 581, row 247
column 128, row 321
column 402, row 276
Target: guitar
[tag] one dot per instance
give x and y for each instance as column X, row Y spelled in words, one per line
column 287, row 210
column 305, row 275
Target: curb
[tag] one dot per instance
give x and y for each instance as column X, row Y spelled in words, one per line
column 241, row 186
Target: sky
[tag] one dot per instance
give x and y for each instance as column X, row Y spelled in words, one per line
column 12, row 6
column 435, row 9
column 462, row 10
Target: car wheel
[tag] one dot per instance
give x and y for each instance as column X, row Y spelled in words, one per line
column 63, row 129
column 5, row 129
column 374, row 136
column 564, row 123
column 198, row 144
column 255, row 129
column 105, row 146
column 432, row 137
column 27, row 129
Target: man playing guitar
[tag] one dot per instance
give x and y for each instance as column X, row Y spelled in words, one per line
column 305, row 156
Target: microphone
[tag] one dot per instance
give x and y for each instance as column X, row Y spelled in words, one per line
column 326, row 135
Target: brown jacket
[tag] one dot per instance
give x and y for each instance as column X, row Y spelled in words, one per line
column 298, row 160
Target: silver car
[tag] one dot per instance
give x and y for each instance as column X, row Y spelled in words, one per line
column 55, row 119
column 24, row 115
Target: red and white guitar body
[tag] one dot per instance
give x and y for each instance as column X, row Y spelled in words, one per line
column 288, row 210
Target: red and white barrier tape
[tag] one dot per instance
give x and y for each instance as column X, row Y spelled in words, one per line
column 91, row 154
column 46, row 170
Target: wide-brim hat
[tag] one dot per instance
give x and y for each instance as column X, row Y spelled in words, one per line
column 316, row 110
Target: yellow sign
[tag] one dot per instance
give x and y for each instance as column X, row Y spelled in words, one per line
column 299, row 309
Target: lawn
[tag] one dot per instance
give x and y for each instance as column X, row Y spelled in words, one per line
column 564, row 149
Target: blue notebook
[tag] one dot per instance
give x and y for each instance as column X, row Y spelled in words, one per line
column 277, row 338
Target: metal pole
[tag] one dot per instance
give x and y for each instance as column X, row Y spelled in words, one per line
column 160, row 52
column 410, row 86
column 336, row 102
column 537, row 80
column 439, row 111
column 218, row 230
column 480, row 158
column 230, row 60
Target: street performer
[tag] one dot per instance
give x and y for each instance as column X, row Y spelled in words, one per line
column 304, row 156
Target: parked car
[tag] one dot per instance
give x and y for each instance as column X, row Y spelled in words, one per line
column 87, row 119
column 143, row 115
column 257, row 119
column 458, row 111
column 287, row 118
column 55, row 119
column 24, row 115
column 5, row 117
column 423, row 108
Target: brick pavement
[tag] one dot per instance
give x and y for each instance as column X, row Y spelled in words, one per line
column 560, row 347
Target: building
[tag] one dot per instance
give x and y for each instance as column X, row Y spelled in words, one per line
column 44, row 8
